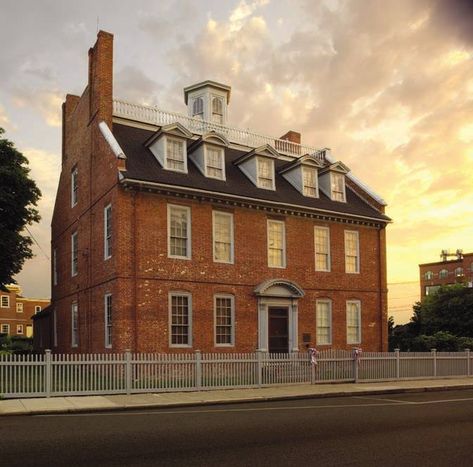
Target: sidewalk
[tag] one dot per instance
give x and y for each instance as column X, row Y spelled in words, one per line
column 72, row 404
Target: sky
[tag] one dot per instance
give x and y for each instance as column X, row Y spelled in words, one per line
column 387, row 85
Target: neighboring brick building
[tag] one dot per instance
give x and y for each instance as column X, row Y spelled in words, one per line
column 446, row 272
column 16, row 311
column 177, row 233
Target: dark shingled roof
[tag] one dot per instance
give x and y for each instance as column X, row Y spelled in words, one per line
column 142, row 165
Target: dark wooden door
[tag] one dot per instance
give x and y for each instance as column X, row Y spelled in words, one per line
column 278, row 330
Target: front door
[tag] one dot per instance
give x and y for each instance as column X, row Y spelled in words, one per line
column 278, row 330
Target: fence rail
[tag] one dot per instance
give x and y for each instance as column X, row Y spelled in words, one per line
column 126, row 373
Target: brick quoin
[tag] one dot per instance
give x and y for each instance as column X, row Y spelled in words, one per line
column 139, row 274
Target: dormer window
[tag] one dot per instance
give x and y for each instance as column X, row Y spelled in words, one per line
column 338, row 186
column 309, row 182
column 302, row 174
column 198, row 107
column 332, row 181
column 217, row 110
column 175, row 157
column 214, row 162
column 265, row 176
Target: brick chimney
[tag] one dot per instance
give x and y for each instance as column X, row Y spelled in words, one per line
column 292, row 136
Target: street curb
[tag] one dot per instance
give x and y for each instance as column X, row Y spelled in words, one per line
column 252, row 399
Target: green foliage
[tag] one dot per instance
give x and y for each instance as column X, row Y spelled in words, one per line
column 15, row 344
column 18, row 197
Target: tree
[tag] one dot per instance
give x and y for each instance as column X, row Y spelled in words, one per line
column 18, row 197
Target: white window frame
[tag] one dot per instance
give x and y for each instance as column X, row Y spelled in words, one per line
column 184, row 153
column 55, row 266
column 214, row 236
column 107, row 232
column 232, row 312
column 196, row 106
column 74, row 186
column 74, row 325
column 221, row 152
column 317, row 315
column 5, row 326
column 304, row 186
column 18, row 327
column 358, row 304
column 74, row 264
column 187, row 209
column 189, row 319
column 358, row 262
column 108, row 320
column 329, row 258
column 2, row 297
column 19, row 307
column 37, row 308
column 258, row 184
column 332, row 175
column 273, row 221
column 429, row 275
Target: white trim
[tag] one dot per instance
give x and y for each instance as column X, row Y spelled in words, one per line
column 268, row 221
column 7, row 327
column 358, row 262
column 329, row 301
column 221, row 152
column 108, row 345
column 329, row 248
column 19, row 307
column 303, row 169
column 232, row 311
column 175, row 138
column 37, row 308
column 105, row 232
column 232, row 236
column 8, row 301
column 189, row 325
column 74, row 182
column 338, row 174
column 111, row 140
column 74, row 236
column 358, row 303
column 189, row 231
column 19, row 326
column 273, row 182
column 74, row 317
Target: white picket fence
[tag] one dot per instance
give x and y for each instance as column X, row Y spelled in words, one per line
column 86, row 374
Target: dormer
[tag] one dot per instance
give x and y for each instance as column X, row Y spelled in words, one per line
column 169, row 146
column 208, row 100
column 258, row 166
column 302, row 174
column 208, row 154
column 332, row 181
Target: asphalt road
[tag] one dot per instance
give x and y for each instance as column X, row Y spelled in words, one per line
column 427, row 429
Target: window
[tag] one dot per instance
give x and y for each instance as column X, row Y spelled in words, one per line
column 217, row 110
column 5, row 301
column 276, row 244
column 74, row 254
column 429, row 275
column 74, row 325
column 353, row 322
column 458, row 272
column 54, row 266
column 443, row 274
column 19, row 307
column 107, row 232
column 5, row 329
column 175, row 155
column 324, row 322
column 108, row 321
column 214, row 165
column 337, row 181
column 19, row 329
column 223, row 237
column 224, row 320
column 179, row 232
column 265, row 177
column 74, row 186
column 181, row 320
column 198, row 107
column 37, row 309
column 322, row 248
column 431, row 289
column 352, row 254
column 309, row 179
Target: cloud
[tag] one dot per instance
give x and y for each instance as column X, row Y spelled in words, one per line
column 5, row 122
column 46, row 102
column 134, row 85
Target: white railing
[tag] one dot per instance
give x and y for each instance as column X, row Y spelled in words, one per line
column 155, row 116
column 85, row 374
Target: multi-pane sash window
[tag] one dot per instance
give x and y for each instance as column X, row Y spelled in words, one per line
column 223, row 237
column 324, row 322
column 352, row 252
column 108, row 320
column 309, row 179
column 179, row 231
column 74, row 186
column 265, row 173
column 338, row 186
column 5, row 329
column 19, row 307
column 224, row 321
column 107, row 231
column 353, row 322
column 276, row 244
column 214, row 162
column 54, row 266
column 74, row 325
column 19, row 329
column 5, row 301
column 175, row 154
column 74, row 253
column 180, row 320
column 322, row 248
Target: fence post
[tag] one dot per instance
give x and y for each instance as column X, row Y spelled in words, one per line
column 398, row 367
column 355, row 367
column 434, row 356
column 198, row 370
column 128, row 372
column 48, row 373
column 468, row 363
column 259, row 368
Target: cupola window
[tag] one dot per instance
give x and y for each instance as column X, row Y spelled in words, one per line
column 217, row 110
column 198, row 107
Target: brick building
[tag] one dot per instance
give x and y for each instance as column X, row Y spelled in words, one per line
column 16, row 311
column 176, row 232
column 446, row 272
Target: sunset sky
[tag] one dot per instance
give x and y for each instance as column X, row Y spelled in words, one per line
column 387, row 85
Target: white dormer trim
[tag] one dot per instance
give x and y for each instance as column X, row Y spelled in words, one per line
column 199, row 153
column 294, row 173
column 327, row 179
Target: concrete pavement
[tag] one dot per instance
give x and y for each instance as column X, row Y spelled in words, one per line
column 70, row 404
